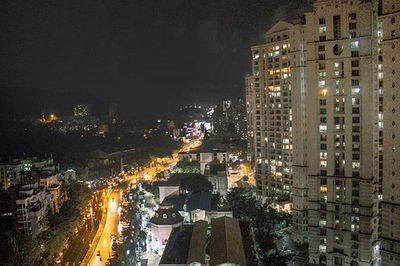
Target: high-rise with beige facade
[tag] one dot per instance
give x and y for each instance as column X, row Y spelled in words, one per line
column 342, row 109
column 390, row 19
column 334, row 118
column 271, row 112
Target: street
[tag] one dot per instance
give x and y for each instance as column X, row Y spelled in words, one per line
column 79, row 242
column 112, row 219
column 110, row 227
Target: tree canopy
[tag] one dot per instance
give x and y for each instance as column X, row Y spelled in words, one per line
column 264, row 220
column 192, row 182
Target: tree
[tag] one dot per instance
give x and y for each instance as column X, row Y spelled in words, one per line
column 192, row 182
column 187, row 167
column 263, row 220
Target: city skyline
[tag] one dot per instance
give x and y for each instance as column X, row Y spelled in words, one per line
column 153, row 54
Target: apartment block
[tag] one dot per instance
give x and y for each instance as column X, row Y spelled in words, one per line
column 270, row 112
column 390, row 19
column 342, row 107
column 10, row 174
column 250, row 109
column 33, row 204
column 336, row 159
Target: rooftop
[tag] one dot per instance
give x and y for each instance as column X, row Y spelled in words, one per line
column 177, row 249
column 226, row 242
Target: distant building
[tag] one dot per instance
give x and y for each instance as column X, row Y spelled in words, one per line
column 217, row 175
column 113, row 113
column 10, row 174
column 209, row 155
column 81, row 110
column 188, row 156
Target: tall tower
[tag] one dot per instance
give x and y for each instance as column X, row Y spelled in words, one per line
column 299, row 129
column 390, row 19
column 250, row 111
column 271, row 113
column 342, row 132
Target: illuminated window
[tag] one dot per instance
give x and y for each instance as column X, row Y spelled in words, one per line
column 354, row 44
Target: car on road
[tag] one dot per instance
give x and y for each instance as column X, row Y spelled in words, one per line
column 98, row 254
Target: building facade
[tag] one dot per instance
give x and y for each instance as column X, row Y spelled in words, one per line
column 10, row 174
column 33, row 204
column 341, row 57
column 250, row 109
column 269, row 102
column 342, row 159
column 390, row 19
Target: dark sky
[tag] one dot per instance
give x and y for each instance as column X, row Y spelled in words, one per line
column 151, row 53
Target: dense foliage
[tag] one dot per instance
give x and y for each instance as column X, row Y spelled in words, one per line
column 191, row 182
column 187, row 167
column 264, row 221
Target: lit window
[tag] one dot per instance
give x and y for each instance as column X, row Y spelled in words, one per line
column 323, row 92
column 354, row 44
column 355, row 91
column 322, row 29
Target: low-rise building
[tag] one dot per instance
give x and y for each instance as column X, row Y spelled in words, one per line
column 216, row 174
column 227, row 243
column 162, row 223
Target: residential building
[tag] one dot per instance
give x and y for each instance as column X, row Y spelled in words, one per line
column 33, row 204
column 336, row 79
column 390, row 235
column 54, row 186
column 299, row 133
column 269, row 100
column 10, row 174
column 250, row 112
column 342, row 160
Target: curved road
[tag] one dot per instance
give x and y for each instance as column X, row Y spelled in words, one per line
column 110, row 227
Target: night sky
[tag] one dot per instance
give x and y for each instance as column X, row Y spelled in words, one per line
column 151, row 53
